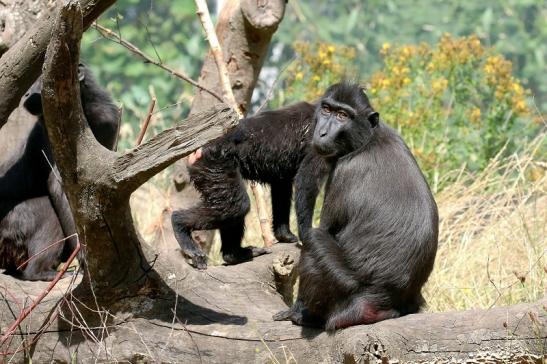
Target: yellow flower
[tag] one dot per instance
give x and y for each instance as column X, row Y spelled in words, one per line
column 475, row 115
column 331, row 49
column 517, row 88
column 385, row 48
column 439, row 85
column 316, row 78
column 299, row 76
column 520, row 106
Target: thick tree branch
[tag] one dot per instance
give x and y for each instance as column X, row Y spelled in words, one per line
column 244, row 30
column 65, row 123
column 20, row 65
column 140, row 164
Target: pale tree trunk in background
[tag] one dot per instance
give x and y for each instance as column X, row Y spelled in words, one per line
column 20, row 65
column 244, row 29
column 17, row 16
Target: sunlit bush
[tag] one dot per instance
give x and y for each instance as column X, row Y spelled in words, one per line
column 315, row 68
column 456, row 104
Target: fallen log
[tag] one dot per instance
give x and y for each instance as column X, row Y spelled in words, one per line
column 224, row 315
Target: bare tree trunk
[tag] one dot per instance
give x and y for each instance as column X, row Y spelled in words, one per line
column 244, row 29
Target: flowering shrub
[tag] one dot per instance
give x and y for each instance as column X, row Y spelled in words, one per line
column 456, row 104
column 316, row 67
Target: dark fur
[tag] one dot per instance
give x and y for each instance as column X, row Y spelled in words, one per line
column 377, row 239
column 34, row 211
column 272, row 147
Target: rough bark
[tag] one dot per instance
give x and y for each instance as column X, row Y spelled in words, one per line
column 244, row 30
column 17, row 16
column 98, row 182
column 20, row 65
column 223, row 315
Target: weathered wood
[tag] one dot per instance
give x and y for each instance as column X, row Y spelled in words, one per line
column 224, row 315
column 140, row 164
column 17, row 16
column 285, row 277
column 20, row 65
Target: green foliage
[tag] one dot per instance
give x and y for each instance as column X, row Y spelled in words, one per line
column 457, row 104
column 165, row 31
column 515, row 28
column 170, row 31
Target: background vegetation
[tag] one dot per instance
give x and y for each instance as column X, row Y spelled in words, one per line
column 464, row 83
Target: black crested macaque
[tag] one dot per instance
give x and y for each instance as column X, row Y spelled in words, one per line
column 271, row 147
column 376, row 243
column 34, row 211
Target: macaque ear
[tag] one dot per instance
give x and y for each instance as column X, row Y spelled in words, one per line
column 81, row 72
column 374, row 119
column 32, row 101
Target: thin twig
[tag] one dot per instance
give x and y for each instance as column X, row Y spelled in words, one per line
column 274, row 84
column 23, row 315
column 40, row 252
column 111, row 35
column 216, row 50
column 189, row 334
column 146, row 121
column 54, row 170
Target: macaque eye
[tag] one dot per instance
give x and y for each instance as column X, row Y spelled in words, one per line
column 325, row 109
column 342, row 115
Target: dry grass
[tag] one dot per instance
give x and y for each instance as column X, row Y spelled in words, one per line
column 493, row 243
column 148, row 203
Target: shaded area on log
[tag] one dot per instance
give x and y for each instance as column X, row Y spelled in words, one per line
column 226, row 314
